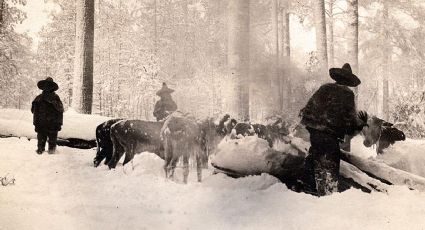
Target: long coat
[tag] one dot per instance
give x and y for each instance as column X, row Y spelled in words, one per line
column 331, row 109
column 164, row 107
column 47, row 112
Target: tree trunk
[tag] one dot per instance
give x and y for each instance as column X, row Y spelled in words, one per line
column 285, row 53
column 330, row 33
column 320, row 26
column 353, row 36
column 275, row 83
column 238, row 53
column 82, row 98
column 386, row 55
column 2, row 8
column 155, row 26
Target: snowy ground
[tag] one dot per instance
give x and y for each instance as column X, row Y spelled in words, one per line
column 64, row 191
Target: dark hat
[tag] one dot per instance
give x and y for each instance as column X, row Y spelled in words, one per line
column 164, row 90
column 47, row 85
column 344, row 76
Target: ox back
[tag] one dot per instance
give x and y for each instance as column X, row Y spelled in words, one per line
column 135, row 136
column 271, row 133
column 104, row 143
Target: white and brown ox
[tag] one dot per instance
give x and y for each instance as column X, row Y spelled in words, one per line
column 184, row 136
column 381, row 133
column 272, row 133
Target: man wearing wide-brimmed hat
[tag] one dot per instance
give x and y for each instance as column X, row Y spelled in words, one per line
column 48, row 115
column 329, row 115
column 165, row 106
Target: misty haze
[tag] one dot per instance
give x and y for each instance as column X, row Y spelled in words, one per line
column 212, row 114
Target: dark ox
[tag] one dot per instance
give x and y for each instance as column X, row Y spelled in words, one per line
column 185, row 137
column 381, row 133
column 104, row 143
column 135, row 136
column 270, row 133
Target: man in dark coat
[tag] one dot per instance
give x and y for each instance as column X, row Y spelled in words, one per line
column 329, row 115
column 48, row 115
column 165, row 106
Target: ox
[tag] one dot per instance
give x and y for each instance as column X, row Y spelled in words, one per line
column 381, row 133
column 135, row 136
column 271, row 132
column 104, row 143
column 185, row 137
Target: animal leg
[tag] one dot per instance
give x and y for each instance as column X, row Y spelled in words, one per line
column 129, row 154
column 185, row 167
column 172, row 167
column 199, row 167
column 167, row 156
column 108, row 155
column 99, row 155
column 117, row 152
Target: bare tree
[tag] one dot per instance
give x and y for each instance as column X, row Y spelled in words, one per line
column 275, row 83
column 386, row 55
column 353, row 35
column 82, row 93
column 2, row 8
column 330, row 32
column 285, row 54
column 238, row 52
column 320, row 26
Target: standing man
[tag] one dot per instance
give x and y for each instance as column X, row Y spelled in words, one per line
column 329, row 115
column 165, row 106
column 48, row 115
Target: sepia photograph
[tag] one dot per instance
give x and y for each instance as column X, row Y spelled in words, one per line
column 212, row 114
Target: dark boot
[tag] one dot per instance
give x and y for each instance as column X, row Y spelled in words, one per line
column 39, row 151
column 41, row 138
column 52, row 142
column 52, row 150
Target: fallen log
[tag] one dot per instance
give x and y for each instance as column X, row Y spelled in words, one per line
column 348, row 170
column 288, row 166
column 77, row 143
column 69, row 142
column 385, row 172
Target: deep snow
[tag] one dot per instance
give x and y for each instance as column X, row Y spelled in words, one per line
column 64, row 191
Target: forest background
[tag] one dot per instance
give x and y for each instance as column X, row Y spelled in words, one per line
column 290, row 44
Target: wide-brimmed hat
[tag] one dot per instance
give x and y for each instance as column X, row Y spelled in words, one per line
column 164, row 90
column 344, row 76
column 47, row 85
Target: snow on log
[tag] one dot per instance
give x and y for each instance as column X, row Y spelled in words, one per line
column 252, row 156
column 18, row 123
column 348, row 170
column 385, row 172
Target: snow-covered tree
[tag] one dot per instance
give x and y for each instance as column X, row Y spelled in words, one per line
column 318, row 7
column 82, row 91
column 238, row 53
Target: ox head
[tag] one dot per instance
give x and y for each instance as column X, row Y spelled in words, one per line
column 372, row 133
column 212, row 133
column 393, row 134
column 279, row 127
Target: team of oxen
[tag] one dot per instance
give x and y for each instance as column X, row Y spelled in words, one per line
column 183, row 136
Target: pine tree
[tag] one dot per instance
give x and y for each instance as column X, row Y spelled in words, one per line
column 238, row 53
column 82, row 99
column 321, row 39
